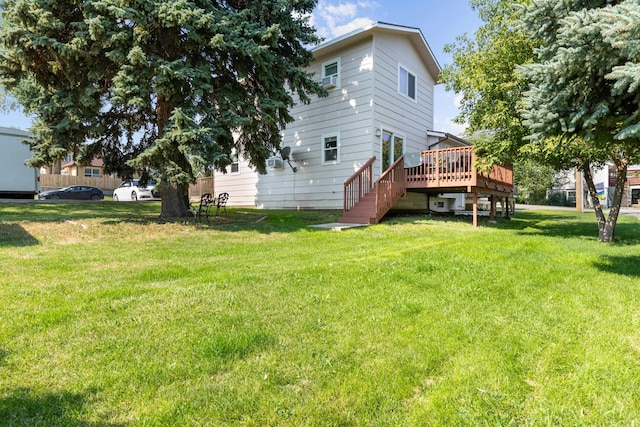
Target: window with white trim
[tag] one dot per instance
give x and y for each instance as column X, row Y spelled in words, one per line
column 392, row 146
column 407, row 83
column 331, row 148
column 234, row 167
column 92, row 172
column 331, row 73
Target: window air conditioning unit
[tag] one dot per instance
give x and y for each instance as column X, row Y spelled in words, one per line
column 330, row 82
column 275, row 163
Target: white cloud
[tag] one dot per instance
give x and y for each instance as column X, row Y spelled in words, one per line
column 341, row 11
column 333, row 19
column 446, row 124
column 353, row 25
column 457, row 100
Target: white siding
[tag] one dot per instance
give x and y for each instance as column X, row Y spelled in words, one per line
column 348, row 111
column 241, row 186
column 394, row 111
column 366, row 98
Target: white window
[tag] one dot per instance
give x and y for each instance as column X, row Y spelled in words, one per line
column 92, row 172
column 407, row 83
column 331, row 148
column 331, row 74
column 234, row 167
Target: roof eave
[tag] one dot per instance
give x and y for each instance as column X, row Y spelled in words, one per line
column 414, row 33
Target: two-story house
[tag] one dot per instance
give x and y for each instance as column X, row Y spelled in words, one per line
column 380, row 80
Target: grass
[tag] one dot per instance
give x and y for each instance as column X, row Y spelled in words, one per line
column 111, row 317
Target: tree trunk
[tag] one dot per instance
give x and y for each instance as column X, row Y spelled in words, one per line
column 175, row 201
column 597, row 207
column 622, row 163
column 175, row 196
column 607, row 227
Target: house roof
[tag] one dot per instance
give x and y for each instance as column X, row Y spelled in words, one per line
column 414, row 34
column 445, row 136
column 96, row 163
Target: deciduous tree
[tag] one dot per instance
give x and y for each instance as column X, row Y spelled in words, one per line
column 483, row 71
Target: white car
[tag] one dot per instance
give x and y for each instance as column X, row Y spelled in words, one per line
column 130, row 191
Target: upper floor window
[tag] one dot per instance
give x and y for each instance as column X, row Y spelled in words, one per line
column 331, row 148
column 68, row 157
column 406, row 82
column 331, row 74
column 235, row 164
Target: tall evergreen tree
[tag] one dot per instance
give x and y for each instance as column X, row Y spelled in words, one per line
column 582, row 107
column 155, row 87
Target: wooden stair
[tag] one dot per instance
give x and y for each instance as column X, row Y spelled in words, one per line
column 367, row 202
column 364, row 212
column 443, row 170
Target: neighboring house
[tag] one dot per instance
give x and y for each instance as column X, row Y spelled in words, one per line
column 604, row 179
column 69, row 167
column 68, row 172
column 380, row 109
column 564, row 190
column 93, row 170
column 633, row 185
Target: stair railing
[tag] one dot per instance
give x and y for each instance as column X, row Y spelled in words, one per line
column 390, row 187
column 358, row 185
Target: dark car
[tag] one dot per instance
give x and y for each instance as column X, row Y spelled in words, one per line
column 74, row 192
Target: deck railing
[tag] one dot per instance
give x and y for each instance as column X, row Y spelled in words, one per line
column 447, row 168
column 450, row 168
column 390, row 187
column 502, row 175
column 455, row 167
column 358, row 185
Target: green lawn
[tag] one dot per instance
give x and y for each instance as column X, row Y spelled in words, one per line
column 110, row 317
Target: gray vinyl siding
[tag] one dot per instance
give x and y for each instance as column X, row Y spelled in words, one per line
column 240, row 186
column 367, row 98
column 393, row 110
column 347, row 111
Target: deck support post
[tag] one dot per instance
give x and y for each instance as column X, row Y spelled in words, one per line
column 475, row 210
column 492, row 212
column 506, row 204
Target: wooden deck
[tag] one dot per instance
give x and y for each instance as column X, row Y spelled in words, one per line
column 450, row 170
column 454, row 169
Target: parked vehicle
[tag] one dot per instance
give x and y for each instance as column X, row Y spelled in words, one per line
column 74, row 192
column 17, row 180
column 132, row 191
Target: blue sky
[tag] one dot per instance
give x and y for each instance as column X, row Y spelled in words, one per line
column 440, row 21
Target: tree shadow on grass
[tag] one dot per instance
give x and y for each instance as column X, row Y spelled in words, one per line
column 55, row 212
column 543, row 223
column 570, row 225
column 624, row 265
column 263, row 221
column 23, row 407
column 146, row 213
column 15, row 235
column 3, row 355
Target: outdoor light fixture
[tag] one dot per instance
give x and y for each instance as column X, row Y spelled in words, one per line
column 378, row 132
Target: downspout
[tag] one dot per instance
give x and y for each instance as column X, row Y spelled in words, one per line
column 373, row 124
